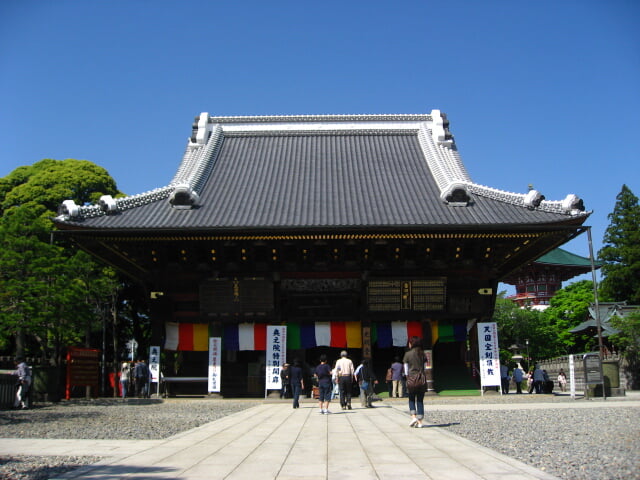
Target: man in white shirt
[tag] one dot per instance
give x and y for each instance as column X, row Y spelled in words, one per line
column 345, row 370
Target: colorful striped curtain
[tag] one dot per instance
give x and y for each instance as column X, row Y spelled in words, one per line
column 395, row 334
column 245, row 336
column 445, row 332
column 324, row 334
column 187, row 337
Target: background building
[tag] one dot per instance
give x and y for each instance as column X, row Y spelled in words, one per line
column 538, row 281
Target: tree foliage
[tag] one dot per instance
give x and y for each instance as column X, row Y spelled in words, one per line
column 628, row 340
column 548, row 330
column 621, row 251
column 50, row 296
column 49, row 182
column 567, row 309
column 516, row 326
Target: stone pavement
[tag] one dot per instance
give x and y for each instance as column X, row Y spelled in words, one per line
column 274, row 441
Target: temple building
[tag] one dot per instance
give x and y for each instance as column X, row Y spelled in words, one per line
column 354, row 231
column 538, row 281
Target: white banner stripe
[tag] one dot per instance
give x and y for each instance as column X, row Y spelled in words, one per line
column 399, row 333
column 246, row 336
column 172, row 331
column 323, row 334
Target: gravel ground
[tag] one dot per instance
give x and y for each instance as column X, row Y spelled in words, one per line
column 103, row 419
column 581, row 444
column 575, row 444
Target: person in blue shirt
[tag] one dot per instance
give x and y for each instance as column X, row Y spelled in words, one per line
column 325, row 384
column 518, row 376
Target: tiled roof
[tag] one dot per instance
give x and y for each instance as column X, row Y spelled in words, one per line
column 559, row 256
column 322, row 172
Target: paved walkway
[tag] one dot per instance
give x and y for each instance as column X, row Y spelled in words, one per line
column 274, row 441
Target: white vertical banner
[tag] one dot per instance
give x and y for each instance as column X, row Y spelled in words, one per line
column 276, row 356
column 154, row 364
column 489, row 354
column 572, row 377
column 215, row 368
column 154, row 369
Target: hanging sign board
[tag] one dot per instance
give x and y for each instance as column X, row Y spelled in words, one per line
column 276, row 356
column 489, row 354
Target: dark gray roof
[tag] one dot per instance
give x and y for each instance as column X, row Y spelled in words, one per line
column 391, row 173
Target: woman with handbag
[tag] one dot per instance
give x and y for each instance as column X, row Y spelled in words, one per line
column 414, row 361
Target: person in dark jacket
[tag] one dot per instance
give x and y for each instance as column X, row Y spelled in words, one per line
column 141, row 376
column 297, row 382
column 366, row 381
column 286, row 381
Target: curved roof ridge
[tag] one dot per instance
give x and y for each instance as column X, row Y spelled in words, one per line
column 572, row 204
column 411, row 117
column 443, row 161
column 198, row 161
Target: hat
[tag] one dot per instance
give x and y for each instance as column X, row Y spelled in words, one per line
column 343, row 353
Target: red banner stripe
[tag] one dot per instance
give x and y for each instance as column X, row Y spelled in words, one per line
column 185, row 339
column 338, row 335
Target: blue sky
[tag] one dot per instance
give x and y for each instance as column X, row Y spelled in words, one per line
column 544, row 93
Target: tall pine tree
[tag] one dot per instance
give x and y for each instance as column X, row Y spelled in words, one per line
column 621, row 251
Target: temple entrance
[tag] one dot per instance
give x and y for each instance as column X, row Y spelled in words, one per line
column 450, row 372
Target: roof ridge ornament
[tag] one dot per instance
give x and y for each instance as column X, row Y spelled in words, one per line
column 108, row 204
column 440, row 129
column 183, row 197
column 69, row 209
column 456, row 194
column 201, row 129
column 573, row 204
column 533, row 199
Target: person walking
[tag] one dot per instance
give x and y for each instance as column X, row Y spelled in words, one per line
column 504, row 378
column 538, row 379
column 141, row 377
column 125, row 374
column 285, row 392
column 518, row 376
column 325, row 384
column 397, row 374
column 23, row 372
column 345, row 372
column 388, row 379
column 562, row 380
column 414, row 364
column 297, row 382
column 335, row 393
column 366, row 380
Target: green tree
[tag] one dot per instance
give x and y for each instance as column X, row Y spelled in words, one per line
column 621, row 251
column 49, row 182
column 50, row 296
column 628, row 341
column 567, row 309
column 517, row 325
